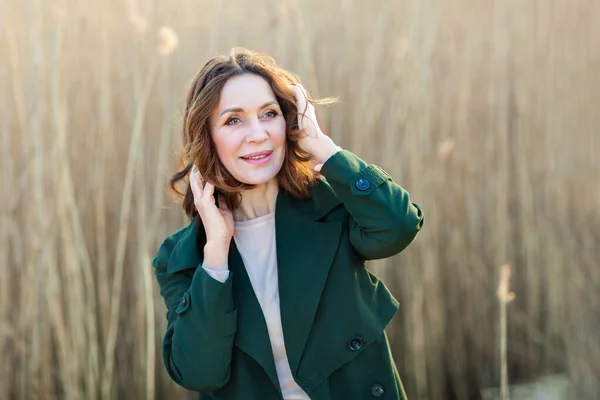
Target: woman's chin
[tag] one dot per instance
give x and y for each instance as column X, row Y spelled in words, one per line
column 257, row 177
column 255, row 180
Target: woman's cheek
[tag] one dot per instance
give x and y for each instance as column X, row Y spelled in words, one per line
column 226, row 146
column 280, row 128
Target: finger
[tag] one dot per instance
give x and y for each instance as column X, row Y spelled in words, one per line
column 196, row 171
column 208, row 191
column 196, row 184
column 225, row 211
column 301, row 105
column 303, row 90
column 300, row 97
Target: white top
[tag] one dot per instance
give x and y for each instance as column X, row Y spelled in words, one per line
column 255, row 240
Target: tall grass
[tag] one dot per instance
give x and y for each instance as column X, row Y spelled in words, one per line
column 487, row 112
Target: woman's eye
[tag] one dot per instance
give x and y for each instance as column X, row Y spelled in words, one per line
column 270, row 114
column 232, row 121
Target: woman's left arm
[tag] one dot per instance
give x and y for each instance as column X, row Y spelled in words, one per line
column 383, row 220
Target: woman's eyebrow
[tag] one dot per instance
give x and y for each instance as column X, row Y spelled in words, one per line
column 237, row 109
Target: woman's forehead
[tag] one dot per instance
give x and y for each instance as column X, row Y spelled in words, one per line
column 247, row 91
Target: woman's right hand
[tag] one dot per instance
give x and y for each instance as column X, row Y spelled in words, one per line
column 217, row 221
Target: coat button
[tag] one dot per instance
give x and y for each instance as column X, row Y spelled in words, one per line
column 362, row 184
column 183, row 301
column 377, row 390
column 355, row 343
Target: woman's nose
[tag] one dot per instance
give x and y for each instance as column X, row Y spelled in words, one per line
column 257, row 133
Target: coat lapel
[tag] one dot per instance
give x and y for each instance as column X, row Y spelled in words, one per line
column 252, row 336
column 305, row 251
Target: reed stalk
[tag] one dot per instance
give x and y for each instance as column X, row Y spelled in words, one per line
column 115, row 297
column 485, row 113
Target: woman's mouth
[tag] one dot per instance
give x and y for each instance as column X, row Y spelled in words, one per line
column 259, row 158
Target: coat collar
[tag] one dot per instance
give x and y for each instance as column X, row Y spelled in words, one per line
column 305, row 249
column 188, row 254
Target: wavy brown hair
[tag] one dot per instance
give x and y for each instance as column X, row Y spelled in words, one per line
column 296, row 174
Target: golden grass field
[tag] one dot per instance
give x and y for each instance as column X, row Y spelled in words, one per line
column 487, row 112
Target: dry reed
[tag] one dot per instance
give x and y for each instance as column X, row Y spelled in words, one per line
column 486, row 113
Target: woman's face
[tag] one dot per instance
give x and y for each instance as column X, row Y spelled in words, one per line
column 248, row 130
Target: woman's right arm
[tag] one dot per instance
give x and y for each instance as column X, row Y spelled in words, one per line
column 197, row 345
column 202, row 318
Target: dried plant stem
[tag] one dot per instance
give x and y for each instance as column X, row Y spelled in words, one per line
column 134, row 149
column 504, row 395
column 163, row 148
column 8, row 229
column 143, row 262
column 150, row 313
column 505, row 296
column 104, row 134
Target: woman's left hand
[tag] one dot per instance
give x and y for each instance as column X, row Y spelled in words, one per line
column 313, row 141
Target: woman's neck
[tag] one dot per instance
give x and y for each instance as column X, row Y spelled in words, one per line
column 257, row 202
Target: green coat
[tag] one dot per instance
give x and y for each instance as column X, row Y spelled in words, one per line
column 333, row 310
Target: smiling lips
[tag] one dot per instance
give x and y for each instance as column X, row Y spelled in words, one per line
column 258, row 158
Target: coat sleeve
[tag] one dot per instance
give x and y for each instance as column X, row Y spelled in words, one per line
column 201, row 323
column 383, row 220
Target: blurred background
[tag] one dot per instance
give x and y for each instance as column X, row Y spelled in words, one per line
column 485, row 111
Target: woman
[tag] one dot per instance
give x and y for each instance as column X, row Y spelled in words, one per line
column 266, row 289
